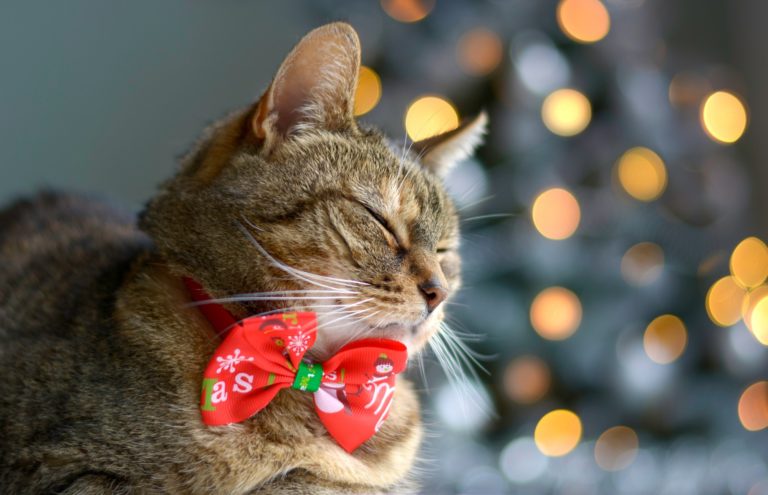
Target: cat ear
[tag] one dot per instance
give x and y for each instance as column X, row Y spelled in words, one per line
column 442, row 152
column 314, row 87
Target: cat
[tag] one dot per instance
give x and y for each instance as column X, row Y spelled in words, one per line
column 102, row 354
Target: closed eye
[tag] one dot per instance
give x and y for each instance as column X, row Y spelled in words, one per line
column 383, row 223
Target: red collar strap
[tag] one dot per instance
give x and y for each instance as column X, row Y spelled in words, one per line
column 221, row 319
column 261, row 355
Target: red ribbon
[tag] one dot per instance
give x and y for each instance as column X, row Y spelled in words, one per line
column 261, row 355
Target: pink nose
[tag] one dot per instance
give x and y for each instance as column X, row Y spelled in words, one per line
column 434, row 293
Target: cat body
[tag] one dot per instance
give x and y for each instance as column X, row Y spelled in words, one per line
column 106, row 376
column 102, row 354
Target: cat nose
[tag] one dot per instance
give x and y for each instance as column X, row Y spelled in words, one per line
column 434, row 293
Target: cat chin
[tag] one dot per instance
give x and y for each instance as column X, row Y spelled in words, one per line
column 329, row 342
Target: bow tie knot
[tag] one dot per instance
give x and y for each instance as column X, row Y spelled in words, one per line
column 308, row 377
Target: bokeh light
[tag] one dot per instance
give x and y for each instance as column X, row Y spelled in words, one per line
column 665, row 339
column 479, row 51
column 526, row 379
column 753, row 406
column 556, row 214
column 616, row 448
column 539, row 65
column 556, row 313
column 642, row 174
column 642, row 264
column 585, row 21
column 724, row 301
column 723, row 117
column 407, row 10
column 749, row 262
column 558, row 433
column 368, row 91
column 521, row 462
column 429, row 116
column 759, row 320
column 750, row 301
column 687, row 89
column 566, row 112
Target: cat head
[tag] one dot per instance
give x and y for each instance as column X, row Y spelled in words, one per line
column 290, row 203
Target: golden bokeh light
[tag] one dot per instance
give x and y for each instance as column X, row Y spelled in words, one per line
column 429, row 116
column 526, row 379
column 724, row 301
column 557, row 433
column 368, row 91
column 758, row 318
column 665, row 339
column 407, row 10
column 753, row 406
column 566, row 112
column 749, row 262
column 555, row 313
column 479, row 51
column 723, row 117
column 585, row 21
column 556, row 214
column 642, row 264
column 642, row 174
column 616, row 448
column 751, row 299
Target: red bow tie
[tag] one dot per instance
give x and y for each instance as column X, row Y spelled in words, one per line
column 261, row 355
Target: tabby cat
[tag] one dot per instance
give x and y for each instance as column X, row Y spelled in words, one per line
column 102, row 354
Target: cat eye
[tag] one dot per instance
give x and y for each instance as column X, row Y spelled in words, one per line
column 383, row 223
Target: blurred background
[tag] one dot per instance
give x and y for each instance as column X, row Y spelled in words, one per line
column 612, row 223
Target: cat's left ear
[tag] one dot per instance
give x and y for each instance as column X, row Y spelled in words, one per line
column 314, row 87
column 442, row 152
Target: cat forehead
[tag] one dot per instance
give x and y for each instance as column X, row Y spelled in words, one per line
column 372, row 170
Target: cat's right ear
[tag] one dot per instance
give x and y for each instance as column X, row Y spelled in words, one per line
column 313, row 89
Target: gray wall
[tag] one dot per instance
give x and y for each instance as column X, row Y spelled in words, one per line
column 103, row 95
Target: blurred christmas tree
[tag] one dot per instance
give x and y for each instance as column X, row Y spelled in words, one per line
column 598, row 222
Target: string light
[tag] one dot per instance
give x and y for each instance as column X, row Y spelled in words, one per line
column 557, row 433
column 616, row 448
column 642, row 264
column 584, row 21
column 642, row 174
column 665, row 339
column 723, row 117
column 749, row 262
column 368, row 91
column 753, row 407
column 479, row 51
column 566, row 112
column 407, row 10
column 556, row 313
column 526, row 379
column 429, row 116
column 556, row 214
column 724, row 301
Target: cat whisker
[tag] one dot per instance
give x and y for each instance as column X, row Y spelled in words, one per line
column 265, row 298
column 457, row 359
column 312, row 278
column 491, row 215
column 474, row 203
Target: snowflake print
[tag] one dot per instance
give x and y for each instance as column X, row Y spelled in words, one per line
column 298, row 343
column 231, row 361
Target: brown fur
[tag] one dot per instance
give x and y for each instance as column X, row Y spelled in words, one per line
column 102, row 355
